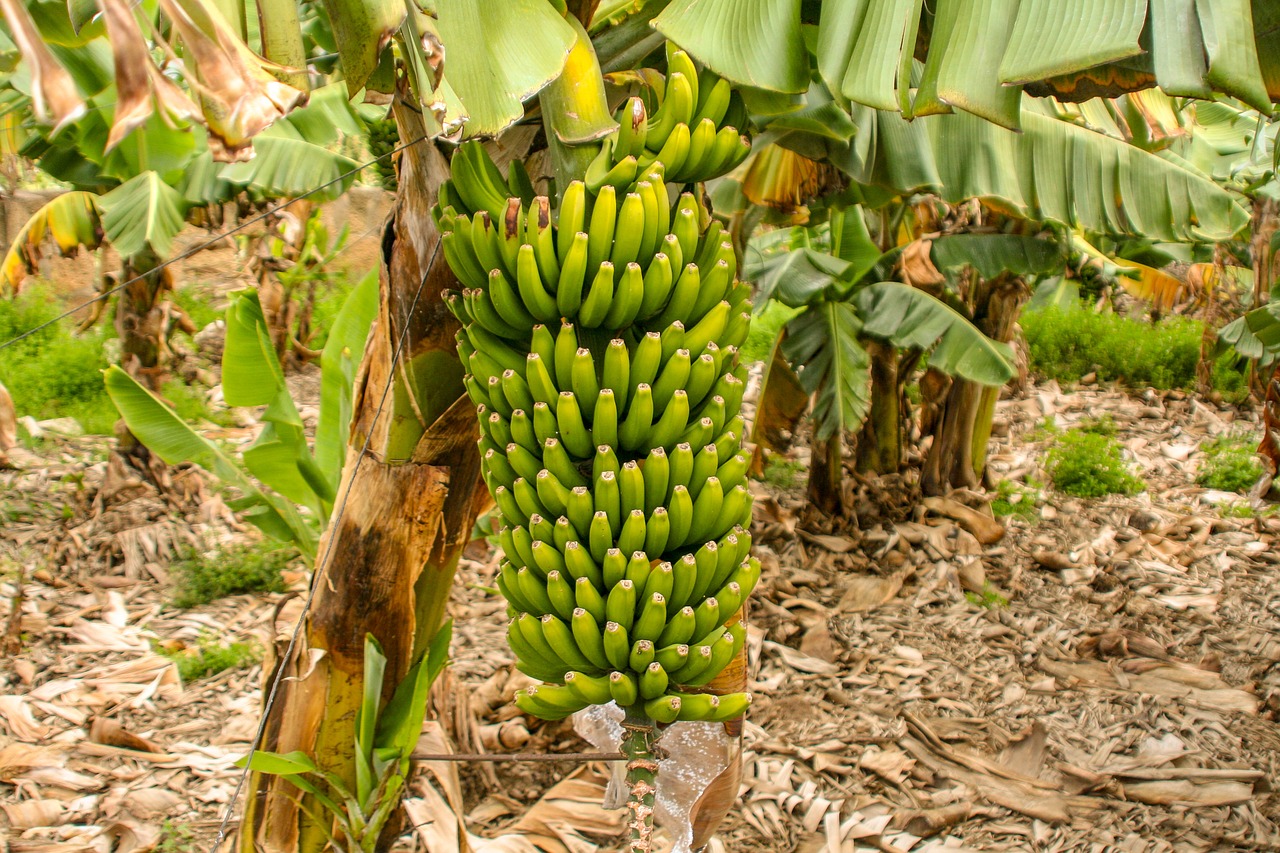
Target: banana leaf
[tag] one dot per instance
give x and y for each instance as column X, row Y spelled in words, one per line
column 287, row 164
column 907, row 317
column 822, row 345
column 1255, row 335
column 756, row 43
column 252, row 376
column 1056, row 293
column 165, row 434
column 71, row 220
column 501, row 52
column 993, row 254
column 338, row 362
column 1052, row 171
column 143, row 212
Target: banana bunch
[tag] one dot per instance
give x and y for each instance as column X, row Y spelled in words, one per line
column 695, row 130
column 601, row 348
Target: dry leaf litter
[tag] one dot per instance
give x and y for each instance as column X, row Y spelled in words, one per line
column 1110, row 682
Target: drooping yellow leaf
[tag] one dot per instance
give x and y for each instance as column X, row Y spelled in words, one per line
column 780, row 178
column 71, row 220
column 1149, row 284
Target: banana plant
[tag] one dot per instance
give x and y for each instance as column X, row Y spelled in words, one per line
column 295, row 475
column 858, row 333
column 144, row 160
column 477, row 68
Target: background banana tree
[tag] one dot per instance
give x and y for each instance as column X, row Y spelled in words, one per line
column 300, row 476
column 866, row 323
column 140, row 163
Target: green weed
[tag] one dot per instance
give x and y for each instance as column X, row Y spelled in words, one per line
column 54, row 373
column 1047, row 427
column 176, row 837
column 198, row 305
column 1090, row 465
column 210, row 657
column 1015, row 499
column 1230, row 464
column 781, row 472
column 988, row 599
column 203, row 577
column 1066, row 345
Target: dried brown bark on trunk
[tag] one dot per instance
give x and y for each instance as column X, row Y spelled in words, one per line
column 826, row 473
column 413, row 501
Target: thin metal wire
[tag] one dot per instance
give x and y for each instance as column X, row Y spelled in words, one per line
column 518, row 756
column 207, row 243
column 323, row 568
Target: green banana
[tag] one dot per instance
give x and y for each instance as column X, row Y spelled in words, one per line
column 572, row 216
column 600, row 232
column 571, row 282
column 573, row 430
column 641, row 657
column 599, row 299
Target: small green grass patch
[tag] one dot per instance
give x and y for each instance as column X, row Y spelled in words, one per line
column 1230, row 464
column 1090, row 465
column 201, row 577
column 209, row 656
column 1015, row 499
column 54, row 373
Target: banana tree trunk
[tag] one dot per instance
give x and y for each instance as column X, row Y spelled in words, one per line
column 880, row 441
column 1265, row 223
column 958, row 456
column 141, row 321
column 413, row 499
column 826, row 473
column 145, row 320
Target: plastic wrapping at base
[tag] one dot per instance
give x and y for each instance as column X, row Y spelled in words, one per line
column 694, row 754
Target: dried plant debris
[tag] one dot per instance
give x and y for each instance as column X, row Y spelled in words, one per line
column 1080, row 674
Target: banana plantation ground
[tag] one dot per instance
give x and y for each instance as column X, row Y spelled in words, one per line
column 1081, row 674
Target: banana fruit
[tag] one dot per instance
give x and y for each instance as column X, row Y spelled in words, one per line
column 695, row 132
column 600, row 342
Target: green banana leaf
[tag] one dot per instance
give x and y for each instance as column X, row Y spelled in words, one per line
column 287, row 164
column 501, row 52
column 400, row 723
column 143, row 212
column 1052, row 171
column 1255, row 335
column 907, row 317
column 979, row 54
column 756, row 43
column 799, row 277
column 165, row 434
column 251, row 376
column 993, row 254
column 338, row 363
column 851, row 241
column 822, row 345
column 1056, row 293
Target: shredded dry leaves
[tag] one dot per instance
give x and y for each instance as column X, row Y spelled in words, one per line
column 1110, row 680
